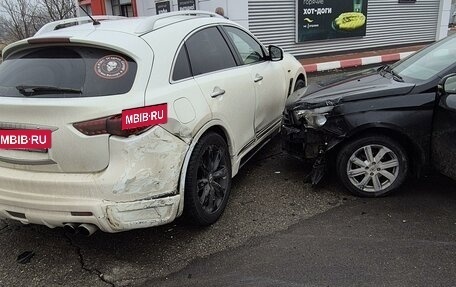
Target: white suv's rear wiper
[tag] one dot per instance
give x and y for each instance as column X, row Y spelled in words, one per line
column 29, row 91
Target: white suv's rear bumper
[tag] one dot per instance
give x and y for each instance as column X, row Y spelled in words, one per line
column 137, row 190
column 108, row 216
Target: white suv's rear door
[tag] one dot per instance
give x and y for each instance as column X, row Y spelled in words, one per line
column 227, row 88
column 266, row 76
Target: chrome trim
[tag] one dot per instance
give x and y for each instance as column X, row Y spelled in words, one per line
column 21, row 126
column 268, row 128
column 261, row 134
column 191, row 33
column 27, row 161
column 44, row 150
column 248, row 145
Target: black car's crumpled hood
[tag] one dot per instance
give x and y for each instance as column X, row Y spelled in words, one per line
column 365, row 85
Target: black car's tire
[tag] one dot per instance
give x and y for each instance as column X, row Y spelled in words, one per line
column 208, row 180
column 375, row 173
column 300, row 83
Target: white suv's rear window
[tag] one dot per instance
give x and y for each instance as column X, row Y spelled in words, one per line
column 66, row 72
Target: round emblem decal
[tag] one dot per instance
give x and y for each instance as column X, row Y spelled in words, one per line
column 111, row 67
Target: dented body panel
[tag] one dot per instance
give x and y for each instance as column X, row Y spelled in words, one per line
column 368, row 102
column 138, row 189
column 99, row 173
column 444, row 136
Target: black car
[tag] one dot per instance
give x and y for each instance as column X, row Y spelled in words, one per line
column 381, row 125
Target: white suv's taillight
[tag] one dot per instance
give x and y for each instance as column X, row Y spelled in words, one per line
column 109, row 125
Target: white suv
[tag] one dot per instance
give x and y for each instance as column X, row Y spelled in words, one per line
column 207, row 95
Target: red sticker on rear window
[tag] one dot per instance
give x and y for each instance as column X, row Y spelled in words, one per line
column 111, row 67
column 143, row 117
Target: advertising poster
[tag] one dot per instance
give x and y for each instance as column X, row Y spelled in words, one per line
column 330, row 19
column 186, row 5
column 163, row 7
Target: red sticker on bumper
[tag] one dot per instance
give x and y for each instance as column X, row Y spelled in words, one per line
column 25, row 139
column 144, row 117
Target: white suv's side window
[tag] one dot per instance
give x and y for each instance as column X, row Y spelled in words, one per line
column 209, row 52
column 249, row 49
column 182, row 68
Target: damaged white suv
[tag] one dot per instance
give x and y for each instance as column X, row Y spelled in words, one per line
column 148, row 118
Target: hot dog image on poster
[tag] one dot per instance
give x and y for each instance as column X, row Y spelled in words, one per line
column 330, row 19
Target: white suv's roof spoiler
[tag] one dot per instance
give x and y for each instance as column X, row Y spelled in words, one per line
column 49, row 27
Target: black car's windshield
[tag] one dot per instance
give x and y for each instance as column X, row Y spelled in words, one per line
column 429, row 62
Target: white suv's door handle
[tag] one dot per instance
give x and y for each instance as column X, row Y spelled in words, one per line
column 217, row 92
column 258, row 78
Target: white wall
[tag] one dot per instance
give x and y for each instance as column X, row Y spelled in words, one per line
column 108, row 7
column 236, row 10
column 453, row 9
column 210, row 5
column 444, row 19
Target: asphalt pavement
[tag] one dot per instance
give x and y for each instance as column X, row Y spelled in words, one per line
column 407, row 239
column 277, row 231
column 269, row 195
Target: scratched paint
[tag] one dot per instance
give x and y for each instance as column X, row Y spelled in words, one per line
column 153, row 165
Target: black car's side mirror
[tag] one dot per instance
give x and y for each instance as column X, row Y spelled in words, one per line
column 448, row 85
column 275, row 53
column 447, row 92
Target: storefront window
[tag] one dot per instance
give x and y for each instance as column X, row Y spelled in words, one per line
column 121, row 9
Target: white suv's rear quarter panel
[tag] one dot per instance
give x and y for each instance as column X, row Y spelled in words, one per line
column 135, row 171
column 61, row 113
column 188, row 110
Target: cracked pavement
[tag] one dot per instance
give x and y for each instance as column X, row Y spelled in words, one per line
column 269, row 194
column 95, row 271
column 270, row 197
column 3, row 225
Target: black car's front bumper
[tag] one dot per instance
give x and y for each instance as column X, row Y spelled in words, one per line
column 303, row 143
column 299, row 141
column 308, row 144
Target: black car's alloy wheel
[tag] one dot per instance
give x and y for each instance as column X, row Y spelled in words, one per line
column 372, row 166
column 208, row 180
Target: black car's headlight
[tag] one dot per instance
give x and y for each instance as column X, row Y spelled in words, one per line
column 314, row 118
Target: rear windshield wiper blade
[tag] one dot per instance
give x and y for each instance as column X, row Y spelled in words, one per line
column 396, row 76
column 37, row 90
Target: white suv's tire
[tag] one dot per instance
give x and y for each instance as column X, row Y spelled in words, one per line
column 300, row 83
column 208, row 180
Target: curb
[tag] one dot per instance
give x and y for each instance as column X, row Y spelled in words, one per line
column 349, row 63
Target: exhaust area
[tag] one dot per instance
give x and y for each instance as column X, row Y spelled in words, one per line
column 70, row 228
column 87, row 229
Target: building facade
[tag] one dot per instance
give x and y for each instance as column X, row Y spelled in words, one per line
column 307, row 27
column 125, row 8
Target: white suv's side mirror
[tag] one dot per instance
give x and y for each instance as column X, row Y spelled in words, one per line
column 275, row 53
